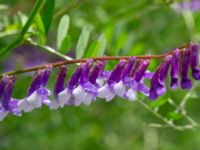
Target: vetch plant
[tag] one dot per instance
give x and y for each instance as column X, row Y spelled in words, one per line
column 90, row 80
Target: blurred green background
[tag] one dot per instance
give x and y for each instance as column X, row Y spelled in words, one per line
column 131, row 27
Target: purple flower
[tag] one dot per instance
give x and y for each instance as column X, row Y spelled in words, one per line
column 37, row 93
column 106, row 91
column 8, row 104
column 65, row 96
column 186, row 83
column 193, row 5
column 59, row 87
column 174, row 69
column 60, row 82
column 141, row 70
column 135, row 79
column 86, row 91
column 158, row 80
column 3, row 83
column 194, row 61
column 120, row 87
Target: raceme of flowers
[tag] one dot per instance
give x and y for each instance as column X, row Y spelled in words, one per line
column 90, row 81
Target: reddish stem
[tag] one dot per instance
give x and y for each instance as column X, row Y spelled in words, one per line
column 60, row 63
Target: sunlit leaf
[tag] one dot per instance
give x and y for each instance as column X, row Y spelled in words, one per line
column 82, row 41
column 62, row 30
column 22, row 18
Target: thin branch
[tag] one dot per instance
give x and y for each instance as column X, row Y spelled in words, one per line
column 74, row 61
column 168, row 123
column 66, row 62
column 48, row 49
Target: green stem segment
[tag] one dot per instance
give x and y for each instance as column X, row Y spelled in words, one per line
column 24, row 30
column 48, row 49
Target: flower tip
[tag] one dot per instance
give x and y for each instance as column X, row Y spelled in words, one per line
column 186, row 83
column 153, row 95
column 174, row 83
column 196, row 74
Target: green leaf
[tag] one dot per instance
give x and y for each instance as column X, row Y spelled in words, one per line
column 47, row 14
column 93, row 47
column 62, row 30
column 40, row 29
column 158, row 103
column 100, row 47
column 22, row 18
column 66, row 44
column 83, row 41
column 174, row 116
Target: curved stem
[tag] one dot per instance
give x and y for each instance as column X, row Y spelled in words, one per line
column 60, row 63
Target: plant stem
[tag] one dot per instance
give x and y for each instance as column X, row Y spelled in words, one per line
column 60, row 63
column 48, row 49
column 73, row 61
column 21, row 35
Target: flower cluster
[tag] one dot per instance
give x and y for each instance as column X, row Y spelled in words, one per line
column 90, row 81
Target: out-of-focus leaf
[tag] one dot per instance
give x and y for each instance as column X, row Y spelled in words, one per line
column 83, row 41
column 99, row 47
column 95, row 45
column 40, row 29
column 66, row 44
column 62, row 30
column 122, row 39
column 174, row 116
column 102, row 46
column 158, row 103
column 22, row 18
column 47, row 14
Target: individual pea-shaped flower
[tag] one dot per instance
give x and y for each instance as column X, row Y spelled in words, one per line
column 194, row 61
column 85, row 92
column 186, row 83
column 135, row 82
column 3, row 84
column 158, row 80
column 59, row 87
column 120, row 87
column 8, row 104
column 65, row 96
column 37, row 93
column 107, row 91
column 140, row 74
column 174, row 69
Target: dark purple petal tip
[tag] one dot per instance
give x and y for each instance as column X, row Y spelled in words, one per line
column 186, row 83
